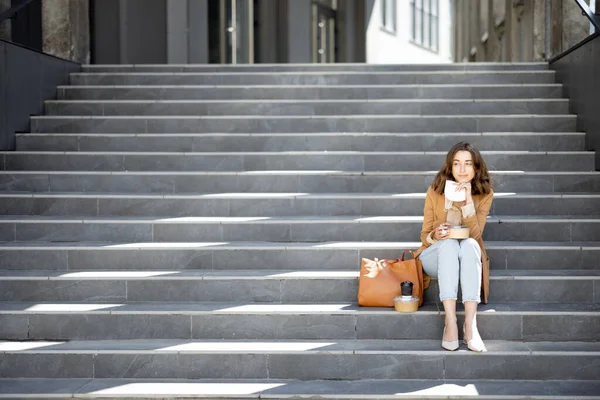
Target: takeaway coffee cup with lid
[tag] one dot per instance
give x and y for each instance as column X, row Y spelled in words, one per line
column 406, row 302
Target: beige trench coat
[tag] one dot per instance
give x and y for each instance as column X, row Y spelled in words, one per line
column 434, row 214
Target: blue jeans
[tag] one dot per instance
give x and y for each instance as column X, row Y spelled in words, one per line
column 450, row 259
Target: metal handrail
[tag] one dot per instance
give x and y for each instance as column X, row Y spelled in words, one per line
column 14, row 9
column 587, row 11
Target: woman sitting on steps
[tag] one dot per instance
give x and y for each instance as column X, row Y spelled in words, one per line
column 451, row 260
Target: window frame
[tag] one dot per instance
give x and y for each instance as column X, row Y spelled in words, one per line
column 389, row 13
column 425, row 13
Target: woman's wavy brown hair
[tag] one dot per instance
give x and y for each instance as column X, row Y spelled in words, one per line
column 481, row 183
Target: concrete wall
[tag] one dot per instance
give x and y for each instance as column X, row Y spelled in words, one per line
column 384, row 47
column 66, row 29
column 535, row 30
column 299, row 34
column 578, row 72
column 27, row 78
column 106, row 44
column 5, row 29
column 130, row 32
column 197, row 38
column 143, row 32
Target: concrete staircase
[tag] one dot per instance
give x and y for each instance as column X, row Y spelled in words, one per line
column 196, row 231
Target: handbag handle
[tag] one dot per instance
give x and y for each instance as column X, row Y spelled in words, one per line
column 407, row 251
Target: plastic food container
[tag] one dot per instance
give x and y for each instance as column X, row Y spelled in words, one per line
column 459, row 232
column 406, row 303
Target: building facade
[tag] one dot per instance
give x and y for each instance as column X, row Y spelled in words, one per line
column 236, row 31
column 517, row 30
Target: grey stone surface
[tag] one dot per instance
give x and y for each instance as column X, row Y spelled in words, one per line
column 505, row 327
column 584, row 231
column 399, row 326
column 163, row 207
column 274, row 229
column 140, row 259
column 71, row 232
column 366, row 388
column 545, row 259
column 528, row 231
column 298, row 107
column 278, row 205
column 319, row 290
column 24, row 182
column 88, row 291
column 292, row 259
column 13, row 327
column 329, row 68
column 98, row 183
column 204, row 142
column 24, row 259
column 223, row 124
column 262, row 182
column 541, row 324
column 47, row 366
column 42, row 387
column 101, row 327
column 196, row 290
column 561, row 327
column 560, row 291
column 7, row 232
column 181, row 366
column 523, row 367
column 504, row 77
column 508, row 91
column 27, row 205
column 274, row 161
column 265, row 327
column 49, row 162
column 362, row 366
column 33, row 142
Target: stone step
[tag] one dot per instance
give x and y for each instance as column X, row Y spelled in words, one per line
column 278, row 204
column 246, row 142
column 285, row 160
column 62, row 389
column 342, row 67
column 279, row 181
column 313, row 78
column 271, row 321
column 309, row 92
column 334, row 256
column 281, row 229
column 309, row 124
column 306, row 107
column 278, row 286
column 301, row 360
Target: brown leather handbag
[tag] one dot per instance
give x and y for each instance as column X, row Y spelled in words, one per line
column 379, row 280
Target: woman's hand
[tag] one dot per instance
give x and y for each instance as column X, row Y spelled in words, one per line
column 441, row 232
column 466, row 186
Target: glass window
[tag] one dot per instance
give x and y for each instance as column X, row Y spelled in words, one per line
column 425, row 23
column 388, row 15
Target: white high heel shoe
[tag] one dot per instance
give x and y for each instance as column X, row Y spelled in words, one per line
column 449, row 345
column 475, row 343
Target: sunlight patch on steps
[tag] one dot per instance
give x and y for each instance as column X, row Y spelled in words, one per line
column 445, row 390
column 70, row 307
column 283, row 308
column 166, row 388
column 163, row 245
column 23, row 346
column 116, row 274
column 227, row 347
column 316, row 274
